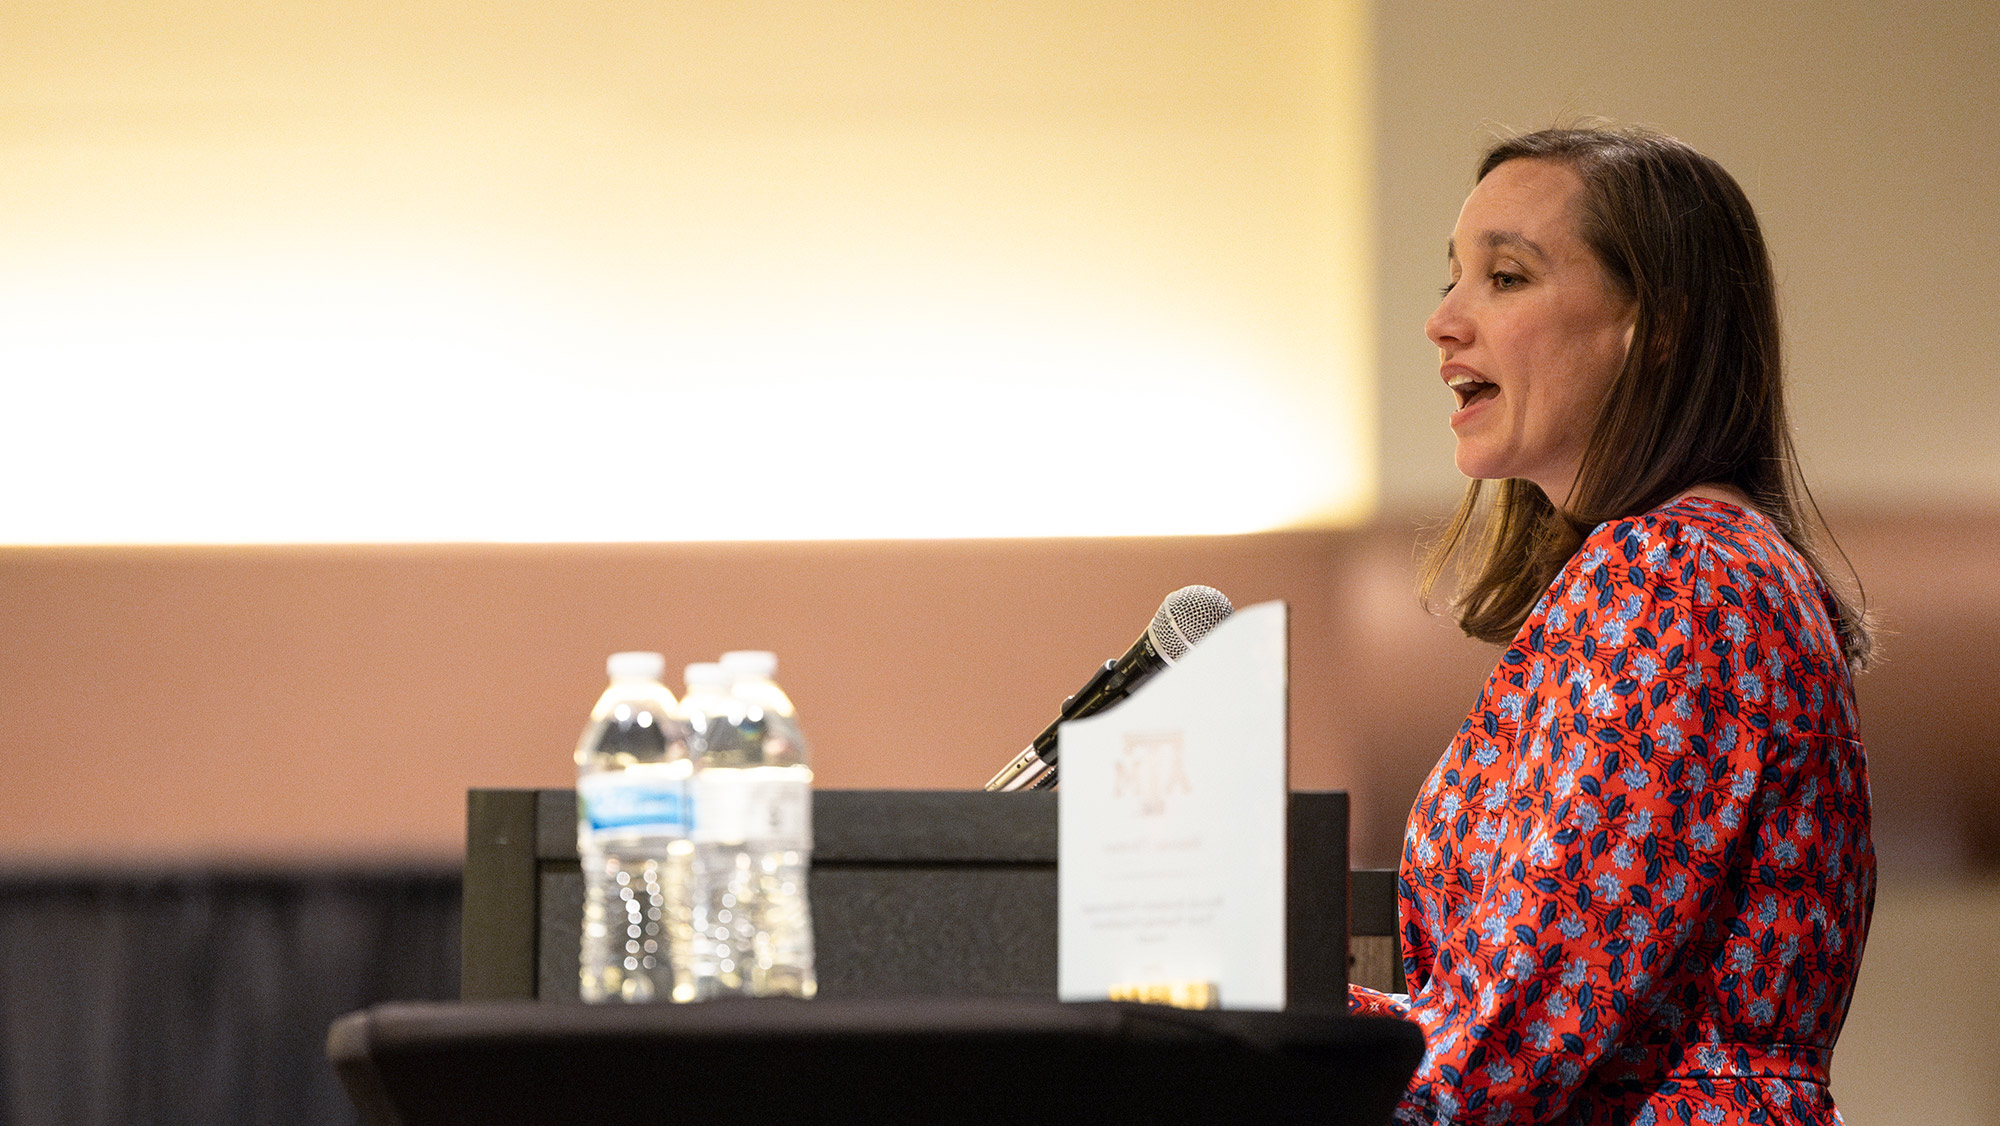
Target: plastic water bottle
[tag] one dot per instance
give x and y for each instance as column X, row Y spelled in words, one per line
column 752, row 833
column 716, row 736
column 632, row 772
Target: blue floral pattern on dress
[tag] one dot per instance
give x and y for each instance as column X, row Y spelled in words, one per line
column 1636, row 886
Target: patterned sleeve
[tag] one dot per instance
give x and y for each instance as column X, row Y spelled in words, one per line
column 1625, row 810
column 1365, row 1002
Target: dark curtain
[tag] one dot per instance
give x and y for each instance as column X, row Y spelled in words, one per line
column 205, row 997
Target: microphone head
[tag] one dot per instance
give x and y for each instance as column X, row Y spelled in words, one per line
column 1185, row 618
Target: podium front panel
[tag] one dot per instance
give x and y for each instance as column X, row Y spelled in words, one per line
column 914, row 893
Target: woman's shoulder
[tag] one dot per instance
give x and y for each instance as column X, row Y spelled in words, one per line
column 1723, row 564
column 1689, row 540
column 1694, row 552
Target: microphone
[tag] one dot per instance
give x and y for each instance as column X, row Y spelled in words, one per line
column 1183, row 619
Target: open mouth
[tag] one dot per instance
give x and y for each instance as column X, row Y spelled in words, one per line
column 1470, row 390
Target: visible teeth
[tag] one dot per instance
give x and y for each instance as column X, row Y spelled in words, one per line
column 1467, row 388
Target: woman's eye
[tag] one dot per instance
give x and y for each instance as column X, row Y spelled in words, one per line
column 1504, row 280
column 1444, row 291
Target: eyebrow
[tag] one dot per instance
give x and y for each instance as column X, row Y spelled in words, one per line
column 1500, row 240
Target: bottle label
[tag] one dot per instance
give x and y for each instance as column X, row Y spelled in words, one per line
column 770, row 806
column 643, row 799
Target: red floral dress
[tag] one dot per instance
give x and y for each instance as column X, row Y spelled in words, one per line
column 1636, row 886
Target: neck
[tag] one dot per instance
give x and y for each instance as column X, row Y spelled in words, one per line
column 1728, row 494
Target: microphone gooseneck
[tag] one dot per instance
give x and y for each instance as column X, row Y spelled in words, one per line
column 1183, row 619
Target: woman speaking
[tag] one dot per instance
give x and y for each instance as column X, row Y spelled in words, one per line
column 1636, row 887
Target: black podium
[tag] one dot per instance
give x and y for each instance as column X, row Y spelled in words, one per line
column 914, row 893
column 917, row 1060
column 934, row 917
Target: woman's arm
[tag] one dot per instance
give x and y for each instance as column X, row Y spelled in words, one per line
column 1365, row 1002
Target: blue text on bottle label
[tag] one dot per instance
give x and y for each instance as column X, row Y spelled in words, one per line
column 633, row 801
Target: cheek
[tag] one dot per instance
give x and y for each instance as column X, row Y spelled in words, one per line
column 1586, row 369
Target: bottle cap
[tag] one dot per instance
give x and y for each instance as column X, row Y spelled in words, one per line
column 635, row 666
column 705, row 674
column 751, row 663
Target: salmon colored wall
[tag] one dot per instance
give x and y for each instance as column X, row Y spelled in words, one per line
column 281, row 704
column 307, row 702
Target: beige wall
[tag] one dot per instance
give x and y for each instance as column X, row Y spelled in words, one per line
column 1919, row 1046
column 1866, row 134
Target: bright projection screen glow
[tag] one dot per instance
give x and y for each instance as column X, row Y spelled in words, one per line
column 1041, row 270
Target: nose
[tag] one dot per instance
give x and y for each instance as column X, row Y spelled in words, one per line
column 1447, row 324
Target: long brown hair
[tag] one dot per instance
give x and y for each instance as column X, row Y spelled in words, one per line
column 1700, row 399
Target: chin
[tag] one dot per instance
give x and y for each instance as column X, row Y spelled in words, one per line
column 1471, row 464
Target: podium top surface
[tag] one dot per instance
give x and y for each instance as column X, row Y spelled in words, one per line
column 944, row 1060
